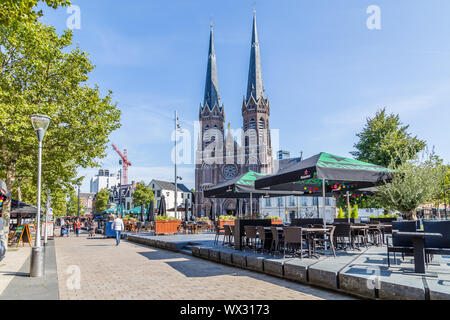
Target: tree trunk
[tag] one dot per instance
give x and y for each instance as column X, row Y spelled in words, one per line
column 10, row 179
column 411, row 215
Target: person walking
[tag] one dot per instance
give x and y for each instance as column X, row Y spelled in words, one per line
column 77, row 226
column 118, row 226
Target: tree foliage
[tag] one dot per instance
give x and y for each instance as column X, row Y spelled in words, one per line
column 42, row 74
column 142, row 194
column 415, row 182
column 385, row 139
column 25, row 10
column 101, row 201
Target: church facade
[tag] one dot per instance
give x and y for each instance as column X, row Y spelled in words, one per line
column 221, row 154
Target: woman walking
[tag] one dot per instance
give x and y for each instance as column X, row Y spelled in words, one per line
column 77, row 226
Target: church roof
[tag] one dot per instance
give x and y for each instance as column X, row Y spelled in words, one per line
column 255, row 85
column 212, row 95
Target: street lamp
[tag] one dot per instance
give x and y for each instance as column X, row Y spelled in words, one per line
column 177, row 129
column 40, row 125
column 78, row 204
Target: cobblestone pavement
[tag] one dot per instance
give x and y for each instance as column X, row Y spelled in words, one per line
column 133, row 271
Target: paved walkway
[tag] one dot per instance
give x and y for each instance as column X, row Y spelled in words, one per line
column 11, row 265
column 97, row 269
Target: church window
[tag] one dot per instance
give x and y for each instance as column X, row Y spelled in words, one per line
column 252, row 124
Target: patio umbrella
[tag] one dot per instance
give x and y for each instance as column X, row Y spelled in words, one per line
column 142, row 212
column 186, row 210
column 211, row 214
column 162, row 206
column 150, row 211
column 243, row 186
column 339, row 173
column 324, row 173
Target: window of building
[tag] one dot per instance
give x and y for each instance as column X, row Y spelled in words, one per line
column 315, row 201
column 291, row 201
column 304, row 201
column 252, row 124
column 280, row 202
column 268, row 202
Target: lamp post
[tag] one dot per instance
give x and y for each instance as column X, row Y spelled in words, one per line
column 40, row 124
column 78, row 204
column 120, row 189
column 177, row 128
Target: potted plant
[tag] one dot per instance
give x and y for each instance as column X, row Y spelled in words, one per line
column 223, row 220
column 166, row 225
column 275, row 220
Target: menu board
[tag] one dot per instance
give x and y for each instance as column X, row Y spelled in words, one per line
column 50, row 229
column 22, row 234
column 32, row 230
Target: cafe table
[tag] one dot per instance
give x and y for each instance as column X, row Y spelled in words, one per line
column 418, row 239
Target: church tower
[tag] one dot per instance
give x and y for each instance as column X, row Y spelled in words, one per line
column 255, row 114
column 209, row 155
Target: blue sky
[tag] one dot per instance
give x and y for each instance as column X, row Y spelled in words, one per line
column 324, row 71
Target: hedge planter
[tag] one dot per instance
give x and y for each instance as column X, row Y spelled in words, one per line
column 224, row 222
column 277, row 222
column 166, row 226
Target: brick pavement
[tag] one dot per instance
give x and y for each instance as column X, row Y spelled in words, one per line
column 132, row 271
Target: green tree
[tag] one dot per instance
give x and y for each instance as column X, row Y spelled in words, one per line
column 142, row 194
column 385, row 139
column 341, row 213
column 40, row 74
column 415, row 182
column 355, row 214
column 101, row 201
column 25, row 10
column 72, row 204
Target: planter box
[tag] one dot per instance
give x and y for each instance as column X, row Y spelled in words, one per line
column 383, row 220
column 166, row 227
column 277, row 222
column 224, row 222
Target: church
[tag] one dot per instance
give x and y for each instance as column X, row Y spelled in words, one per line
column 220, row 155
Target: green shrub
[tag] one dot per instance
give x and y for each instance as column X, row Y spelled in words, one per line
column 340, row 214
column 274, row 218
column 355, row 214
column 227, row 218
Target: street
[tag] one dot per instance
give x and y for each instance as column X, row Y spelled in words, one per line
column 97, row 269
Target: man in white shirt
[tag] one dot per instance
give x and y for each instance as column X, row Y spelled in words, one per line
column 117, row 226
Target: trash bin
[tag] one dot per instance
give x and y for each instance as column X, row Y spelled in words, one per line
column 109, row 232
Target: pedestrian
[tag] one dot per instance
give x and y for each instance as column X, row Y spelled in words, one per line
column 117, row 226
column 77, row 226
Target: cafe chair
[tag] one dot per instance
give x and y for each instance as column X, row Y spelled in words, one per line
column 401, row 244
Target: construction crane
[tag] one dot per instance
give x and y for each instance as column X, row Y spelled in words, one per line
column 125, row 164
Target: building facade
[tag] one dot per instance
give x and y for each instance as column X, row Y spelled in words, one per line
column 220, row 156
column 87, row 200
column 167, row 189
column 103, row 180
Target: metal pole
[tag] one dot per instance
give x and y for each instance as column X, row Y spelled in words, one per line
column 324, row 213
column 37, row 257
column 445, row 199
column 46, row 217
column 348, row 206
column 120, row 192
column 175, row 158
column 251, row 204
column 78, row 210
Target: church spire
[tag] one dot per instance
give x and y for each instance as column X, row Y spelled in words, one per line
column 255, row 85
column 212, row 96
